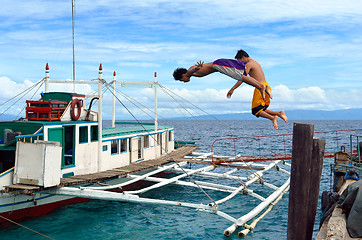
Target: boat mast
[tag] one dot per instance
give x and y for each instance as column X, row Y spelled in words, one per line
column 155, row 86
column 156, row 124
column 100, row 86
column 73, row 6
column 114, row 100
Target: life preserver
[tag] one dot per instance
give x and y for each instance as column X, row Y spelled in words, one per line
column 72, row 109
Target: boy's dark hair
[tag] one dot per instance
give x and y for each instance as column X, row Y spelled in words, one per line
column 240, row 54
column 177, row 74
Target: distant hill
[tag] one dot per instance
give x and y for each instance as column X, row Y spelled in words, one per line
column 345, row 114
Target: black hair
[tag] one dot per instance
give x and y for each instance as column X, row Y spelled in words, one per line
column 177, row 74
column 240, row 54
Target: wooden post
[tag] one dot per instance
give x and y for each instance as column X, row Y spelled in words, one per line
column 315, row 179
column 300, row 180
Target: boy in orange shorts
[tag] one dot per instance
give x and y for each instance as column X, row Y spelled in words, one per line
column 259, row 104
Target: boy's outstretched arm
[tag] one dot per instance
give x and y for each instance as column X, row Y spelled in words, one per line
column 231, row 91
column 193, row 69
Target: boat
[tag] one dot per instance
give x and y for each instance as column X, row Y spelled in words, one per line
column 61, row 138
column 341, row 205
column 60, row 154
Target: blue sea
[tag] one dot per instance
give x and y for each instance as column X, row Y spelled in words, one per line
column 116, row 220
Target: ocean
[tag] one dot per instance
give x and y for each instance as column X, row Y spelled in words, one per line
column 116, row 220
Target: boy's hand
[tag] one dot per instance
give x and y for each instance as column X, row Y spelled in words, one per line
column 199, row 64
column 231, row 91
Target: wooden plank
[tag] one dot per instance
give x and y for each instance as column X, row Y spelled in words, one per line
column 22, row 187
column 132, row 168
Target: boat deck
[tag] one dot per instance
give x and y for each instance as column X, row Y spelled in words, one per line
column 176, row 155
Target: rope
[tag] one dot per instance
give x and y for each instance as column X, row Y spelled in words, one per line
column 26, row 92
column 222, row 122
column 7, row 219
column 31, row 98
column 19, row 93
column 162, row 147
column 131, row 100
column 241, row 182
column 251, row 169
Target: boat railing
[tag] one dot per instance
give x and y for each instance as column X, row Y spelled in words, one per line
column 275, row 146
column 357, row 144
column 30, row 138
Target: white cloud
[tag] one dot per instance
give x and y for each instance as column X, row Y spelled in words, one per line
column 309, row 46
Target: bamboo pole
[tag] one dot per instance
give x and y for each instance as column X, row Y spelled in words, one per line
column 251, row 227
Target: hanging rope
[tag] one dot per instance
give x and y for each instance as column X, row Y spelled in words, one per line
column 9, row 220
column 162, row 147
column 222, row 122
column 26, row 91
column 30, row 99
column 248, row 165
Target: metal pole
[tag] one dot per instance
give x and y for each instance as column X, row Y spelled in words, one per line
column 73, row 5
column 156, row 123
column 114, row 101
column 100, row 84
column 155, row 86
column 47, row 78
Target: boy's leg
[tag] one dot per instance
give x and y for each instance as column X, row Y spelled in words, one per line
column 281, row 114
column 273, row 118
column 253, row 82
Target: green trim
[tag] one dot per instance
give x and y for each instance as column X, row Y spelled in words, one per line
column 65, row 175
column 58, row 96
column 111, row 132
column 135, row 123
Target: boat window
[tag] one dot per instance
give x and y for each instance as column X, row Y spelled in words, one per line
column 146, row 141
column 114, row 147
column 124, row 145
column 94, row 133
column 159, row 138
column 170, row 136
column 105, row 147
column 83, row 134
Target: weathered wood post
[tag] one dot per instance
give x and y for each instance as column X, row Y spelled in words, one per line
column 304, row 181
column 315, row 180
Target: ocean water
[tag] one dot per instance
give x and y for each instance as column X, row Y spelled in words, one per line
column 116, row 220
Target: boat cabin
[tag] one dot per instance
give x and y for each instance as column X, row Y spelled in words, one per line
column 59, row 138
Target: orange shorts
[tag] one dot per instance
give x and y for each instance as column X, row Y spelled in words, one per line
column 258, row 103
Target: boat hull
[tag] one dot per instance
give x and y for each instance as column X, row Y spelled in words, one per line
column 20, row 207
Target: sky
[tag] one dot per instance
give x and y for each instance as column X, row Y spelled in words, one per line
column 310, row 51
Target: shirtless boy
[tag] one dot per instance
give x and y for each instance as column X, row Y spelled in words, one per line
column 259, row 103
column 230, row 67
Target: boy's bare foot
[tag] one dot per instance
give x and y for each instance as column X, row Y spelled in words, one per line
column 268, row 91
column 262, row 91
column 275, row 122
column 283, row 116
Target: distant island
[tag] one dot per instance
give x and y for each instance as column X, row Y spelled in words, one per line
column 345, row 114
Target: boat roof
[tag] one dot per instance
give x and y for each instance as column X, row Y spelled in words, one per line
column 111, row 132
column 30, row 127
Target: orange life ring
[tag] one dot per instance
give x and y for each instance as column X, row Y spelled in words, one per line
column 72, row 109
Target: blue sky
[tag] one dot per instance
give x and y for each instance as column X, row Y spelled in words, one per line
column 310, row 51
